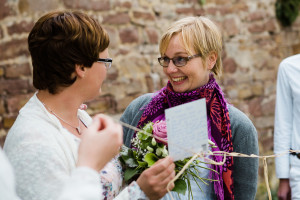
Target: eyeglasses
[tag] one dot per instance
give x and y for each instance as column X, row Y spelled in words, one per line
column 178, row 61
column 106, row 61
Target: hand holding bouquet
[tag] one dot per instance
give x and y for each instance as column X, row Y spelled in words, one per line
column 150, row 145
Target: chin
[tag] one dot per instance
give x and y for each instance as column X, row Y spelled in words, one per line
column 179, row 90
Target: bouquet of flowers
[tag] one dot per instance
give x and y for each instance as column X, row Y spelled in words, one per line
column 150, row 145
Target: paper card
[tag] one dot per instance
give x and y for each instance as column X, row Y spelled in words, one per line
column 187, row 129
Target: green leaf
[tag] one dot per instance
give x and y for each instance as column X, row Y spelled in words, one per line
column 148, row 127
column 145, row 143
column 142, row 164
column 129, row 173
column 127, row 157
column 142, row 136
column 150, row 158
column 180, row 186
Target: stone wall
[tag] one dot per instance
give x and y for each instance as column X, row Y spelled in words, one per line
column 254, row 45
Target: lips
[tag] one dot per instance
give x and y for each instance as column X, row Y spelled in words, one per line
column 178, row 79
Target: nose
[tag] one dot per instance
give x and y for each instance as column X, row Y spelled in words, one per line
column 171, row 67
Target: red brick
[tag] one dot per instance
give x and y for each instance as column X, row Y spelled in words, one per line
column 259, row 27
column 96, row 5
column 20, row 27
column 268, row 107
column 229, row 65
column 14, row 49
column 14, row 86
column 211, row 11
column 1, row 33
column 230, row 27
column 270, row 25
column 225, row 10
column 199, row 12
column 143, row 15
column 112, row 74
column 126, row 4
column 17, row 70
column 118, row 18
column 152, row 35
column 239, row 6
column 123, row 51
column 2, row 108
column 256, row 28
column 255, row 107
column 185, row 11
column 129, row 35
column 5, row 9
column 257, row 15
column 29, row 6
column 16, row 102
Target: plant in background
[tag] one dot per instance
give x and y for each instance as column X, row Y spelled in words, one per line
column 202, row 2
column 287, row 11
column 146, row 150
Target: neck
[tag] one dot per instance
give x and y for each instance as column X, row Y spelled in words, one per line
column 65, row 104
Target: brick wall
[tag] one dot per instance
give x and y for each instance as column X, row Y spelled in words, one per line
column 254, row 45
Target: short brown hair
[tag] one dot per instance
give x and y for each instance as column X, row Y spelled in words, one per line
column 58, row 41
column 199, row 34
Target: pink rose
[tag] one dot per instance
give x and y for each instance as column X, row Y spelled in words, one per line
column 160, row 130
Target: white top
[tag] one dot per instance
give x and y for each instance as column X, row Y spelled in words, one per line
column 287, row 115
column 44, row 154
column 82, row 185
column 7, row 184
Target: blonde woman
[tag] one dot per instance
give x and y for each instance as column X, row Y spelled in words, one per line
column 191, row 52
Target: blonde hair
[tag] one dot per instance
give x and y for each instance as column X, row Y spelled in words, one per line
column 199, row 34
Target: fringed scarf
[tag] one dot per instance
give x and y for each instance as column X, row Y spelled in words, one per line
column 219, row 130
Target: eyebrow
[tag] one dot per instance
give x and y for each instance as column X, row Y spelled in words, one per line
column 178, row 54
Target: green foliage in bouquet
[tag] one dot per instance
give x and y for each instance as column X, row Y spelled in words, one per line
column 147, row 151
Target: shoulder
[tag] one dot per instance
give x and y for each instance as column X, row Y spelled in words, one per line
column 141, row 100
column 290, row 63
column 31, row 126
column 241, row 126
column 138, row 103
column 238, row 118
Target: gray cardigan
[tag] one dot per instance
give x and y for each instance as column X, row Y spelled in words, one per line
column 244, row 135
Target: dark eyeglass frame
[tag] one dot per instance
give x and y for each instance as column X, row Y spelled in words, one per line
column 175, row 60
column 106, row 61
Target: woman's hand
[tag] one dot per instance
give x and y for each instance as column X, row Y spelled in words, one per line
column 100, row 142
column 154, row 181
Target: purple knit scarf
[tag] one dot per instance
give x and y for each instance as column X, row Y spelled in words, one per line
column 219, row 130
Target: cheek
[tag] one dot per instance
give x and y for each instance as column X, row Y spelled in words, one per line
column 165, row 70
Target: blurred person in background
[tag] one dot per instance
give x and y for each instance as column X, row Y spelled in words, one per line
column 287, row 128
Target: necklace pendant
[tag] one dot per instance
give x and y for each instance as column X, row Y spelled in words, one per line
column 78, row 130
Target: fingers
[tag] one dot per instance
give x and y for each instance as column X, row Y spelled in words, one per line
column 161, row 165
column 106, row 122
column 96, row 123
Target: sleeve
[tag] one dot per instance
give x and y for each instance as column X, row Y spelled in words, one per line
column 245, row 170
column 132, row 115
column 40, row 171
column 283, row 122
column 83, row 184
column 7, row 179
column 132, row 192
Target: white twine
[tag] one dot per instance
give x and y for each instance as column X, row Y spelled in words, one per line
column 215, row 153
